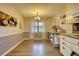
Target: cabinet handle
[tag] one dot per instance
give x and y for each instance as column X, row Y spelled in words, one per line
column 78, row 43
column 63, row 38
column 63, row 42
column 63, row 47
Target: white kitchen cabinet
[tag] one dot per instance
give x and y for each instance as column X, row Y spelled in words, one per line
column 75, row 48
column 66, row 51
column 69, row 45
column 74, row 41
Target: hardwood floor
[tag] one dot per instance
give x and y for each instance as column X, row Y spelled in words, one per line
column 35, row 48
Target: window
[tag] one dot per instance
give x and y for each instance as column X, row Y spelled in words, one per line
column 37, row 26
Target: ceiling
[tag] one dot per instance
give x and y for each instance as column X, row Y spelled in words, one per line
column 43, row 9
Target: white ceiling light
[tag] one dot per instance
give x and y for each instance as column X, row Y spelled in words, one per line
column 37, row 17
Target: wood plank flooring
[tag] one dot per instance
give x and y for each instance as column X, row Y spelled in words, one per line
column 35, row 48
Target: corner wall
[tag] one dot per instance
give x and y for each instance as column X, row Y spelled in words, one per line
column 10, row 36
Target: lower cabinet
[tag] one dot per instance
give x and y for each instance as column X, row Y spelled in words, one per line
column 65, row 50
column 75, row 49
column 75, row 41
column 69, row 45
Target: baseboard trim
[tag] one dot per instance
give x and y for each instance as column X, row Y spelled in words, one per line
column 19, row 43
column 27, row 38
column 12, row 48
column 34, row 38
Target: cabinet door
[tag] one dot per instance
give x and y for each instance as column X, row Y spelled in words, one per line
column 67, row 44
column 75, row 48
column 74, row 41
column 65, row 50
column 63, row 38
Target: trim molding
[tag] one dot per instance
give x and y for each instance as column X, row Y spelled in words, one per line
column 19, row 43
column 34, row 38
column 12, row 48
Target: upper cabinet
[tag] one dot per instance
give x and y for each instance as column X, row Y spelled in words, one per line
column 75, row 17
column 7, row 20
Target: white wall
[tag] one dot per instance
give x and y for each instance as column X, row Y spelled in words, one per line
column 28, row 23
column 5, row 30
column 10, row 36
column 28, row 27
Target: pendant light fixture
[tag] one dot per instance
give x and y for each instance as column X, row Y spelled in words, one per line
column 37, row 18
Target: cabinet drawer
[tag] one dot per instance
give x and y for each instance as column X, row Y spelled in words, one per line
column 74, row 41
column 62, row 37
column 75, row 48
column 70, row 40
column 65, row 50
column 65, row 38
column 67, row 44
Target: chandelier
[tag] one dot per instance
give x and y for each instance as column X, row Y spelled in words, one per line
column 37, row 18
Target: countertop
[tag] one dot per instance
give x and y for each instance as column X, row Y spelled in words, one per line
column 72, row 35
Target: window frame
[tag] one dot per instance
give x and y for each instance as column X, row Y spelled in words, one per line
column 38, row 26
